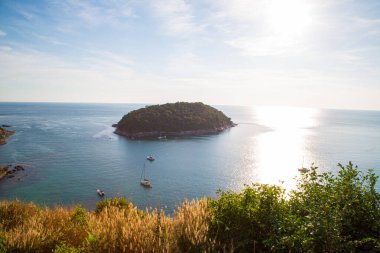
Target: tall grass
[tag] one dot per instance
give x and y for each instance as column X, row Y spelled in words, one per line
column 26, row 227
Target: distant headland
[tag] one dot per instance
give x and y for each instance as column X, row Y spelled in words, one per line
column 173, row 119
column 4, row 134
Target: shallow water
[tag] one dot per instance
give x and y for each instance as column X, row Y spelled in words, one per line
column 70, row 151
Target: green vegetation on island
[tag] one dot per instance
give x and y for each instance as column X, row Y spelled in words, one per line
column 173, row 119
column 325, row 213
column 4, row 134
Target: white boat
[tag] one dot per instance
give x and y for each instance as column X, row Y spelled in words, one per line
column 146, row 183
column 150, row 158
column 143, row 180
column 100, row 192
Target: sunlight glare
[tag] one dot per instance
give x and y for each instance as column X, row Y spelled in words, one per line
column 280, row 152
column 289, row 17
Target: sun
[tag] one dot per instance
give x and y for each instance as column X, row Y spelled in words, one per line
column 289, row 17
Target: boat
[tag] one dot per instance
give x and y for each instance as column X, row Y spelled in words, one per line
column 150, row 158
column 303, row 169
column 100, row 192
column 143, row 180
column 146, row 183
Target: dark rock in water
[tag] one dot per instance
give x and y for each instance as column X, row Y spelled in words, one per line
column 114, row 125
column 6, row 125
column 10, row 171
column 18, row 167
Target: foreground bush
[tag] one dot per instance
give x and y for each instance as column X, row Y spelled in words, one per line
column 325, row 213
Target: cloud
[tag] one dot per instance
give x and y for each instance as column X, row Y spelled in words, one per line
column 177, row 17
column 5, row 48
column 38, row 69
column 2, row 33
column 267, row 46
column 105, row 12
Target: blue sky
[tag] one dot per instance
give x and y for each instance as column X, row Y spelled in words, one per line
column 312, row 53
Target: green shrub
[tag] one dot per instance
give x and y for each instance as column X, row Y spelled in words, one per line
column 251, row 220
column 64, row 248
column 79, row 217
column 116, row 202
column 2, row 245
column 335, row 213
column 325, row 213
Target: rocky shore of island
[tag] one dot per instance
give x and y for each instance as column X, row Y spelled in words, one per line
column 161, row 134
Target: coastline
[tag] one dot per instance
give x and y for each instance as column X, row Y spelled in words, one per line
column 3, row 172
column 157, row 134
column 4, row 134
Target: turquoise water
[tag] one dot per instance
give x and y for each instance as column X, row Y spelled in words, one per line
column 69, row 151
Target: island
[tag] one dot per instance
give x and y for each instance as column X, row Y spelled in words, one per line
column 4, row 134
column 173, row 119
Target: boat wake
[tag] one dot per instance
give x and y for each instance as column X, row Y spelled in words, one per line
column 106, row 134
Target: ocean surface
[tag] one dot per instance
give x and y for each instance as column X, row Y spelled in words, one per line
column 69, row 151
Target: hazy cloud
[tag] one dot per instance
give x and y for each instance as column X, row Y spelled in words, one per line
column 177, row 17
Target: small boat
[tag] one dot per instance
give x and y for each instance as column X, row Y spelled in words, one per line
column 146, row 183
column 150, row 158
column 143, row 180
column 303, row 169
column 100, row 193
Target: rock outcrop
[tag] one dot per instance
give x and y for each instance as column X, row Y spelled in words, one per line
column 4, row 134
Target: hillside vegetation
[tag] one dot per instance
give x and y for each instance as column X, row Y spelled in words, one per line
column 325, row 213
column 171, row 118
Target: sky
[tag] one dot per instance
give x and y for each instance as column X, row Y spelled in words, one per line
column 309, row 53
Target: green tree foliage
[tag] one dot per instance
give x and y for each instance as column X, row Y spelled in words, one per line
column 251, row 220
column 326, row 213
column 116, row 202
column 79, row 217
column 336, row 213
column 174, row 117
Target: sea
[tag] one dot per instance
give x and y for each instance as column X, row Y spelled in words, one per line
column 69, row 151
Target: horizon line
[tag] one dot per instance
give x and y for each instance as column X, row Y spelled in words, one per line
column 153, row 103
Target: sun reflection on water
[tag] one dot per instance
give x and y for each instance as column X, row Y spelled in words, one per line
column 280, row 152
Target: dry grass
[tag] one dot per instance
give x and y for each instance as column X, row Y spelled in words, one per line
column 28, row 228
